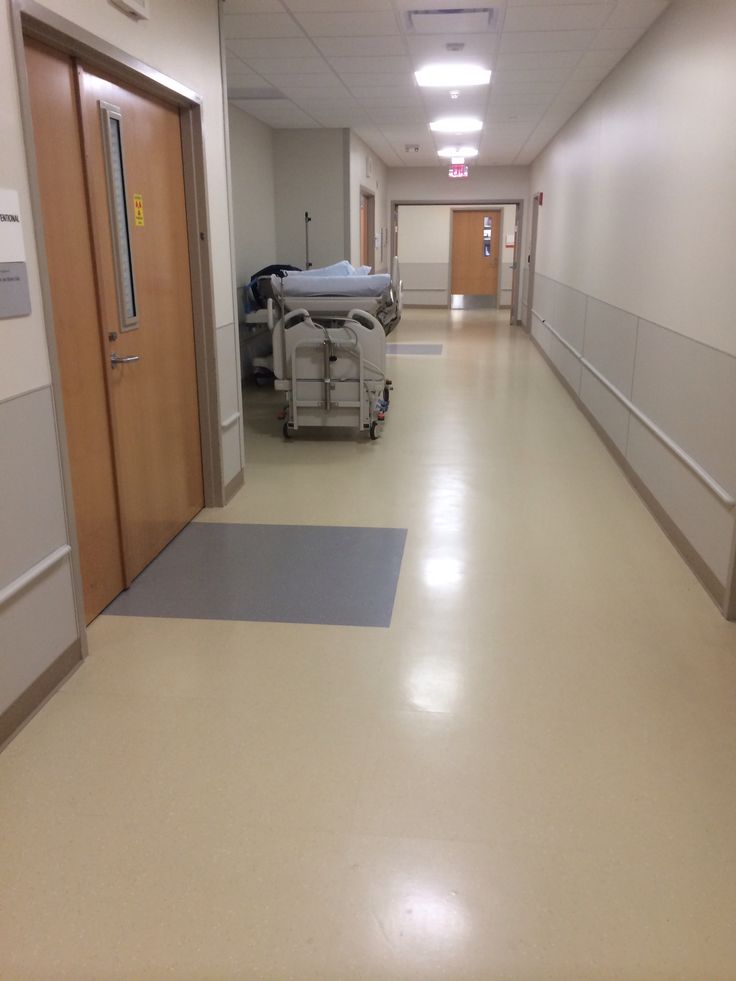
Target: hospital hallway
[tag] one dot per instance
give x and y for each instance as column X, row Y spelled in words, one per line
column 501, row 748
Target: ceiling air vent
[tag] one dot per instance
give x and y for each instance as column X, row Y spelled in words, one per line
column 452, row 20
column 140, row 9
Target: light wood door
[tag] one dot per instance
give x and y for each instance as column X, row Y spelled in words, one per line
column 476, row 237
column 133, row 428
column 153, row 400
column 78, row 330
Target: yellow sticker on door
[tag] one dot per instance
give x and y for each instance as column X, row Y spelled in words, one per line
column 138, row 209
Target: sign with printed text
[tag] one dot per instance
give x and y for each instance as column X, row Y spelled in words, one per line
column 15, row 298
column 138, row 210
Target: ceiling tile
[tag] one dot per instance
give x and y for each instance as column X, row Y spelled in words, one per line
column 366, row 65
column 546, row 40
column 605, row 60
column 288, row 47
column 260, row 25
column 557, row 17
column 343, row 47
column 288, row 66
column 623, row 40
column 531, row 75
column 252, row 7
column 542, row 59
column 336, row 6
column 641, row 13
column 348, row 25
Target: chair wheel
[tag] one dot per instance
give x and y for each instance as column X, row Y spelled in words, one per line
column 285, row 431
column 372, row 431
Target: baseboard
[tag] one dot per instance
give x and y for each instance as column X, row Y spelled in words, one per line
column 702, row 571
column 17, row 715
column 234, row 486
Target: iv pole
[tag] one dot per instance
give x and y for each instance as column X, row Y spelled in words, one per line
column 307, row 219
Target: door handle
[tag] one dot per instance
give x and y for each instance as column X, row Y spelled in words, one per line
column 116, row 359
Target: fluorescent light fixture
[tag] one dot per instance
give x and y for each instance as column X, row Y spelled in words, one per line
column 452, row 76
column 456, row 124
column 457, row 151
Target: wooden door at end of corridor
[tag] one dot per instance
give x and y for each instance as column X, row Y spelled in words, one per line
column 120, row 287
column 476, row 237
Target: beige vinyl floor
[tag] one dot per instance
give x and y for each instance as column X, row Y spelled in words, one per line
column 531, row 775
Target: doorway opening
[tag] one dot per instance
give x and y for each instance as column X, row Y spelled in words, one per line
column 459, row 254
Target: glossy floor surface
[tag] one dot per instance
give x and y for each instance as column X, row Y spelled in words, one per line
column 530, row 775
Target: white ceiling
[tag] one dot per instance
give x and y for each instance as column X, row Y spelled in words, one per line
column 349, row 63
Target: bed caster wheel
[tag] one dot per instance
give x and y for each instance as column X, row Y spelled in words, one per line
column 372, row 432
column 285, row 431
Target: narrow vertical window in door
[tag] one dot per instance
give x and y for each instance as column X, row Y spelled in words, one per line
column 112, row 125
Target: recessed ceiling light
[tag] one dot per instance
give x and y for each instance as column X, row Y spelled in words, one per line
column 457, row 151
column 456, row 124
column 452, row 76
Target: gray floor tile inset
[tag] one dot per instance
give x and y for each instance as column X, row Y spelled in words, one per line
column 278, row 573
column 404, row 349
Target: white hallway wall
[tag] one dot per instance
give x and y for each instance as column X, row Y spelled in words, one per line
column 38, row 624
column 362, row 158
column 254, row 194
column 311, row 174
column 636, row 263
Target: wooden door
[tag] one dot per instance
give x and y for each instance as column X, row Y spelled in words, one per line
column 153, row 400
column 133, row 426
column 367, row 230
column 476, row 237
column 77, row 323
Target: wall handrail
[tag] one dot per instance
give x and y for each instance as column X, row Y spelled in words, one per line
column 700, row 472
column 10, row 591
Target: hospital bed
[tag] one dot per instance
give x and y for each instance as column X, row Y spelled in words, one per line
column 331, row 292
column 333, row 370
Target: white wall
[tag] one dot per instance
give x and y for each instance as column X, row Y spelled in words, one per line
column 254, row 198
column 486, row 184
column 640, row 188
column 377, row 182
column 635, row 264
column 311, row 167
column 182, row 41
column 424, row 253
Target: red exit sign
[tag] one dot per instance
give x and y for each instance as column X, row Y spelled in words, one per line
column 459, row 170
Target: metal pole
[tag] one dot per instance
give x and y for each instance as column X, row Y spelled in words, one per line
column 307, row 219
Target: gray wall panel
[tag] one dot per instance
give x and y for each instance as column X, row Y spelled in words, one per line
column 702, row 519
column 690, row 391
column 610, row 414
column 565, row 362
column 610, row 343
column 425, row 275
column 36, row 627
column 569, row 315
column 32, row 515
column 544, row 300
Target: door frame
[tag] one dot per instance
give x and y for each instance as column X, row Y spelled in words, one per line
column 370, row 199
column 472, row 205
column 531, row 264
column 30, row 19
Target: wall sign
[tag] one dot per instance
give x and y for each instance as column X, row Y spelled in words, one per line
column 15, row 299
